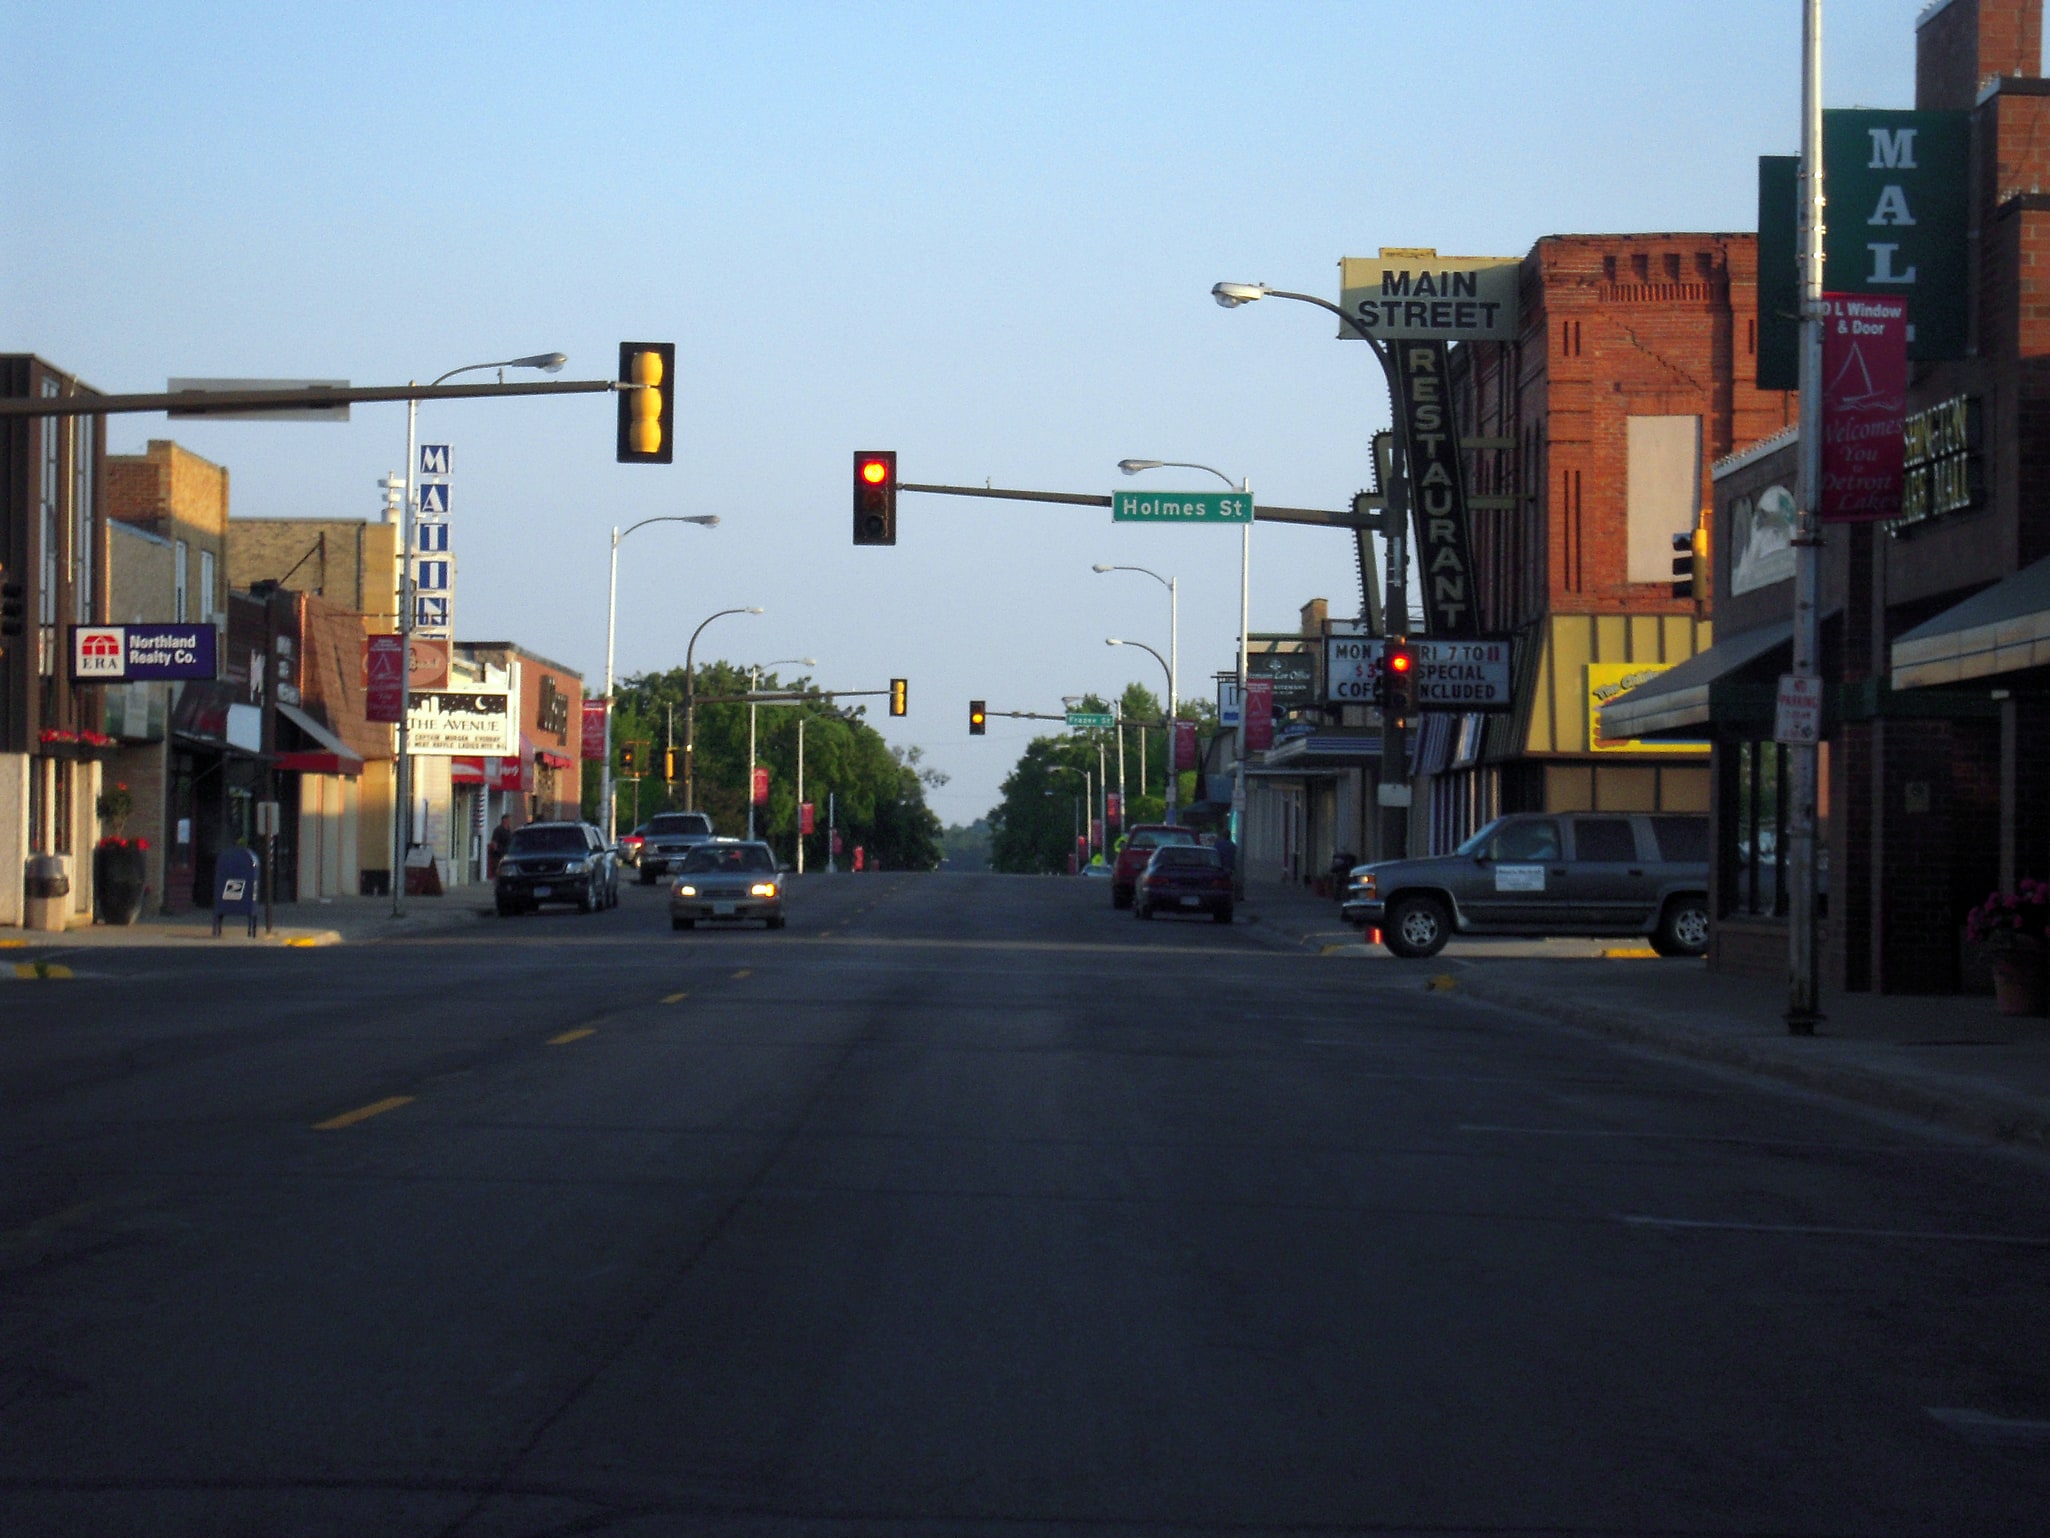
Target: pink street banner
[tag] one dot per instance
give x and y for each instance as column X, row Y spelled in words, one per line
column 1259, row 714
column 594, row 730
column 761, row 787
column 1864, row 406
column 1184, row 745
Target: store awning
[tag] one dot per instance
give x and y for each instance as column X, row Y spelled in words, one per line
column 324, row 752
column 548, row 760
column 491, row 773
column 2002, row 630
column 1680, row 697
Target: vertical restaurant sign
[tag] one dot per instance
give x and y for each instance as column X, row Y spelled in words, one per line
column 1864, row 406
column 1437, row 489
column 594, row 730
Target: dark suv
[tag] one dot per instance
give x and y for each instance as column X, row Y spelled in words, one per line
column 669, row 837
column 556, row 862
column 1547, row 873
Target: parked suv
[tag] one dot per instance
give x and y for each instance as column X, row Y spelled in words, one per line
column 667, row 838
column 1140, row 842
column 556, row 862
column 1547, row 873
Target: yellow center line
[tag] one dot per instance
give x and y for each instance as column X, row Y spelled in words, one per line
column 674, row 998
column 569, row 1036
column 743, row 972
column 362, row 1113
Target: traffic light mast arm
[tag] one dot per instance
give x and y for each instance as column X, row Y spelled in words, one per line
column 201, row 403
column 1320, row 516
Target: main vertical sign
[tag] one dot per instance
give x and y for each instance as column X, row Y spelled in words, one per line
column 1437, row 488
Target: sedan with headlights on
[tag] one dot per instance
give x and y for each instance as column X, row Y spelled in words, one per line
column 726, row 879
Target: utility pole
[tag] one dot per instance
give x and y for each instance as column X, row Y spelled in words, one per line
column 800, row 790
column 1118, row 708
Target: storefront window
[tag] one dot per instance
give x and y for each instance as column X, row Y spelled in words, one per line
column 1754, row 849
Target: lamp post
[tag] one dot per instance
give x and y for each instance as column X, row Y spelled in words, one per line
column 1086, row 793
column 402, row 799
column 1394, row 533
column 704, row 521
column 1172, row 662
column 690, row 707
column 1238, row 772
column 754, row 677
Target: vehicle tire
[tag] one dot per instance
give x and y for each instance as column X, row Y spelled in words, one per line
column 1683, row 928
column 776, row 922
column 1121, row 897
column 677, row 923
column 507, row 908
column 1223, row 915
column 1142, row 910
column 1417, row 927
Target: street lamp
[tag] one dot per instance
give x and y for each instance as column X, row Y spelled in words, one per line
column 1174, row 656
column 1238, row 776
column 703, row 521
column 1088, row 792
column 1394, row 533
column 402, row 821
column 690, row 708
column 754, row 678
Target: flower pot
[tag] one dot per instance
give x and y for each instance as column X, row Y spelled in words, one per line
column 2021, row 982
column 119, row 880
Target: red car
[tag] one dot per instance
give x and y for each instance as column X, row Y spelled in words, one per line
column 1140, row 843
column 1184, row 878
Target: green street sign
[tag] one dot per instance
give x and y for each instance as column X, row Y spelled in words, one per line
column 1181, row 507
column 1084, row 720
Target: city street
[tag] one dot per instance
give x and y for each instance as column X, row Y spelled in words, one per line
column 968, row 1205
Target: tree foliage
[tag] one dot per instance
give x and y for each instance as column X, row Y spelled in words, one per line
column 878, row 792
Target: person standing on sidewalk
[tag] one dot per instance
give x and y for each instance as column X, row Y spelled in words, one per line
column 501, row 836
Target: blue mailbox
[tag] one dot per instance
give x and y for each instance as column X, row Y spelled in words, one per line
column 237, row 880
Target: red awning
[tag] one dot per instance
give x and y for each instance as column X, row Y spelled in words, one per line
column 491, row 773
column 550, row 760
column 328, row 753
column 320, row 763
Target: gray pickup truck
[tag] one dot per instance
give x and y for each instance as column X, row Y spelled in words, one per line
column 1547, row 873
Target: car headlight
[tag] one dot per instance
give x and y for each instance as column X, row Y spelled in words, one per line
column 685, row 891
column 508, row 867
column 1363, row 884
column 762, row 889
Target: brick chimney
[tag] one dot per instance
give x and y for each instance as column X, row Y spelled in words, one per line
column 1961, row 44
column 1314, row 613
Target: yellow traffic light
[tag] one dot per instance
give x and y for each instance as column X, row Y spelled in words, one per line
column 900, row 690
column 647, row 404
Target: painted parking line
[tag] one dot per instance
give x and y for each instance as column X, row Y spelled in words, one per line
column 362, row 1113
column 1823, row 1231
column 743, row 972
column 674, row 998
column 569, row 1036
column 1995, row 1430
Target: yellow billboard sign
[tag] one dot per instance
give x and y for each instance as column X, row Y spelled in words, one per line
column 1606, row 681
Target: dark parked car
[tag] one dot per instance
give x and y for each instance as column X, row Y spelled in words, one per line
column 1183, row 878
column 727, row 879
column 556, row 862
column 667, row 838
column 1547, row 873
column 1140, row 842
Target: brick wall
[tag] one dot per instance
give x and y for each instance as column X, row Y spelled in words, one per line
column 1960, row 44
column 348, row 561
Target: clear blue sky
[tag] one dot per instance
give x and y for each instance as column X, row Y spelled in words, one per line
column 981, row 235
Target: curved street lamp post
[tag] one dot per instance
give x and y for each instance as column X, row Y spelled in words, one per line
column 690, row 706
column 409, row 507
column 705, row 521
column 1172, row 663
column 754, row 678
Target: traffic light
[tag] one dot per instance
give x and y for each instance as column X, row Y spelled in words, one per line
column 875, row 497
column 1690, row 565
column 647, row 403
column 629, row 758
column 978, row 718
column 669, row 764
column 900, row 691
column 1398, row 677
column 13, row 605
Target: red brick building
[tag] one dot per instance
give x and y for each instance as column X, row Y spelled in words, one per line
column 1631, row 375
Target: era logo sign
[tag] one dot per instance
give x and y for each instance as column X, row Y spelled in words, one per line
column 98, row 652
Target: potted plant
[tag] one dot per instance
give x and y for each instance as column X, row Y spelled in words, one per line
column 2013, row 931
column 120, row 878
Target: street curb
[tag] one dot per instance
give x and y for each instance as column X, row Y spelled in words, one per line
column 2000, row 1118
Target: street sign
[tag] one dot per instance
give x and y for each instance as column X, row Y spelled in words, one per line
column 1181, row 507
column 1799, row 716
column 1414, row 294
column 1091, row 720
column 128, row 653
column 1449, row 675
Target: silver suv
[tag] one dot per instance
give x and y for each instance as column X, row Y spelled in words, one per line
column 1547, row 873
column 670, row 836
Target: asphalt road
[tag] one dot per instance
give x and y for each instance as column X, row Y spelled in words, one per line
column 963, row 1206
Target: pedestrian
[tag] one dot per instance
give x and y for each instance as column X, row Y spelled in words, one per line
column 1227, row 851
column 501, row 836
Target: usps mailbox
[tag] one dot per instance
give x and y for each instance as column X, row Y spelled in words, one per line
column 237, row 878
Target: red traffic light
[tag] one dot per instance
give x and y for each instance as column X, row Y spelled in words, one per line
column 875, row 471
column 875, row 497
column 1400, row 662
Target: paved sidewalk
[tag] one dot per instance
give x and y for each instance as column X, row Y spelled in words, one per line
column 335, row 921
column 1948, row 1060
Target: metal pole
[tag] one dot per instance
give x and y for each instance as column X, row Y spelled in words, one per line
column 1118, row 706
column 1238, row 780
column 832, row 832
column 800, row 791
column 754, row 677
column 611, row 623
column 402, row 798
column 1802, row 992
column 1395, row 610
column 1088, row 827
column 1174, row 679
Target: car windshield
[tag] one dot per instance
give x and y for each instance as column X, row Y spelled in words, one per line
column 1154, row 838
column 680, row 822
column 548, row 841
column 1479, row 841
column 733, row 858
column 1183, row 854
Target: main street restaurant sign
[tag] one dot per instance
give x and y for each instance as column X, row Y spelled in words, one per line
column 119, row 654
column 445, row 723
column 1437, row 488
column 1411, row 293
column 1449, row 675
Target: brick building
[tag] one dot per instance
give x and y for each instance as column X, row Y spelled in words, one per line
column 1631, row 374
column 1935, row 775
